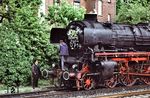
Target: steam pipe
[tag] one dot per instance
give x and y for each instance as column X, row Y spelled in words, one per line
column 92, row 55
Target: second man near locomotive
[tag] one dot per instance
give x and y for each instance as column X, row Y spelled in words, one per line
column 63, row 49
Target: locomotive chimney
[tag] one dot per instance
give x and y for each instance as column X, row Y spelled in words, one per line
column 90, row 17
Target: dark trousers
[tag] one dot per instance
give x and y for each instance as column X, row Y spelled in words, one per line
column 34, row 81
column 63, row 58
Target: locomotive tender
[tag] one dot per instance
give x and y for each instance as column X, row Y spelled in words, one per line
column 103, row 54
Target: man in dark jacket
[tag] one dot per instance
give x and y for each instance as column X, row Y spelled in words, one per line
column 35, row 73
column 63, row 52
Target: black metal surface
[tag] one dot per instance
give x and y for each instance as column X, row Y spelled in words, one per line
column 89, row 32
column 108, row 68
column 57, row 34
column 84, row 38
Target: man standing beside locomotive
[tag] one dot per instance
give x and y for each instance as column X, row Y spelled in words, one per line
column 63, row 49
column 35, row 73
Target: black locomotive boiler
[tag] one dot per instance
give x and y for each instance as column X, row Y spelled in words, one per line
column 103, row 54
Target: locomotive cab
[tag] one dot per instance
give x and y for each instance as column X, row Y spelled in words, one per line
column 58, row 34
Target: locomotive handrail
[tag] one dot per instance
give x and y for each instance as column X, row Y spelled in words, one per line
column 92, row 55
column 124, row 53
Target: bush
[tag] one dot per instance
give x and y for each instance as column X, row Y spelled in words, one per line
column 61, row 15
column 23, row 38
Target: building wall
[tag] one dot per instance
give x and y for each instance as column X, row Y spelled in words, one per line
column 48, row 3
column 91, row 6
column 108, row 9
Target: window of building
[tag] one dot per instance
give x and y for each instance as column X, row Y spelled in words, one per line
column 56, row 1
column 77, row 3
column 94, row 5
column 94, row 8
column 109, row 1
column 41, row 11
column 100, row 7
column 109, row 18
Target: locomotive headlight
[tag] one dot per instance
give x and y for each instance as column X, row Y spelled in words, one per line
column 53, row 65
column 74, row 66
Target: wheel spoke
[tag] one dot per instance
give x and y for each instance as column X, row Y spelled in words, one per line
column 112, row 82
column 146, row 70
column 88, row 82
column 146, row 80
column 128, row 80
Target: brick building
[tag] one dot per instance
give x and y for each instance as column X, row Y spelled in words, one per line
column 105, row 9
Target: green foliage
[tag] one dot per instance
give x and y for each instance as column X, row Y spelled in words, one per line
column 133, row 11
column 13, row 57
column 61, row 15
column 23, row 38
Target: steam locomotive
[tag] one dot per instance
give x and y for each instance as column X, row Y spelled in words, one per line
column 102, row 54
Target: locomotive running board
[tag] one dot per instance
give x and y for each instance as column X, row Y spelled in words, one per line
column 136, row 74
column 123, row 54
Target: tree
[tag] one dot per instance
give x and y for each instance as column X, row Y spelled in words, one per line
column 12, row 57
column 133, row 11
column 23, row 37
column 64, row 13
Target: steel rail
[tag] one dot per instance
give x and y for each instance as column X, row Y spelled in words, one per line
column 125, row 94
column 16, row 95
column 63, row 93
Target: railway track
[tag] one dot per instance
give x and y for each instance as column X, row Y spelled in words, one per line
column 147, row 93
column 98, row 93
column 30, row 94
